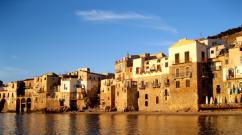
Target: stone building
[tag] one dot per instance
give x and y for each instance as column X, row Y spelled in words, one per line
column 8, row 96
column 71, row 93
column 232, row 74
column 188, row 75
column 126, row 95
column 218, row 58
column 107, row 95
column 151, row 73
column 91, row 83
column 47, row 83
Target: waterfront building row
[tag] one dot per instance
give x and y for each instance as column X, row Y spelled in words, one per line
column 197, row 75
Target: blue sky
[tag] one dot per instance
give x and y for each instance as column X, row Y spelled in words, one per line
column 62, row 35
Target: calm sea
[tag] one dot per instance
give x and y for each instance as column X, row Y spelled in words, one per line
column 123, row 124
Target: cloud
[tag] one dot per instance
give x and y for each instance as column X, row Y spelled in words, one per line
column 161, row 27
column 141, row 20
column 166, row 28
column 101, row 15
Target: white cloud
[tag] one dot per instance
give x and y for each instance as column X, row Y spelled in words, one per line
column 142, row 20
column 166, row 28
column 101, row 15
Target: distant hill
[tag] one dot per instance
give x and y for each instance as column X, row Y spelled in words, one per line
column 229, row 35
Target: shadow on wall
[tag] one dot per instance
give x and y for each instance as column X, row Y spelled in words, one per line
column 3, row 105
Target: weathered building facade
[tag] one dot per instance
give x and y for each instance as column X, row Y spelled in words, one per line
column 107, row 95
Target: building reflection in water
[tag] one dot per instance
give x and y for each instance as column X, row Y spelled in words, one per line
column 122, row 124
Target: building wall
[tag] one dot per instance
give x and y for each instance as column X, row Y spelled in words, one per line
column 152, row 96
column 184, row 97
column 126, row 97
column 107, row 95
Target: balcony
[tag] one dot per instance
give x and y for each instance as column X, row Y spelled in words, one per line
column 156, row 84
column 183, row 75
column 230, row 77
column 141, row 86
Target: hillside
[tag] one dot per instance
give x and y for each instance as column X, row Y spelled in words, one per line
column 229, row 35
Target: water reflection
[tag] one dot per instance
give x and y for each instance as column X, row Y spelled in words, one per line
column 122, row 124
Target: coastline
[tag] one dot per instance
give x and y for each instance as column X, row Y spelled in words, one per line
column 202, row 113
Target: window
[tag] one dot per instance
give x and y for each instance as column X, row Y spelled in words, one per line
column 187, row 57
column 218, row 89
column 158, row 61
column 156, row 81
column 166, row 64
column 147, row 62
column 177, row 84
column 157, row 100
column 177, row 72
column 137, row 70
column 177, row 58
column 166, row 94
column 188, row 73
column 231, row 73
column 117, row 93
column 146, row 103
column 203, row 56
column 212, row 51
column 146, row 96
column 187, row 83
column 158, row 68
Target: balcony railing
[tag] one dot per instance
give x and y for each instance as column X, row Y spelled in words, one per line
column 229, row 77
column 156, row 85
column 141, row 86
column 183, row 75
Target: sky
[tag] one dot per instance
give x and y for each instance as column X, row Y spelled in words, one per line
column 39, row 36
